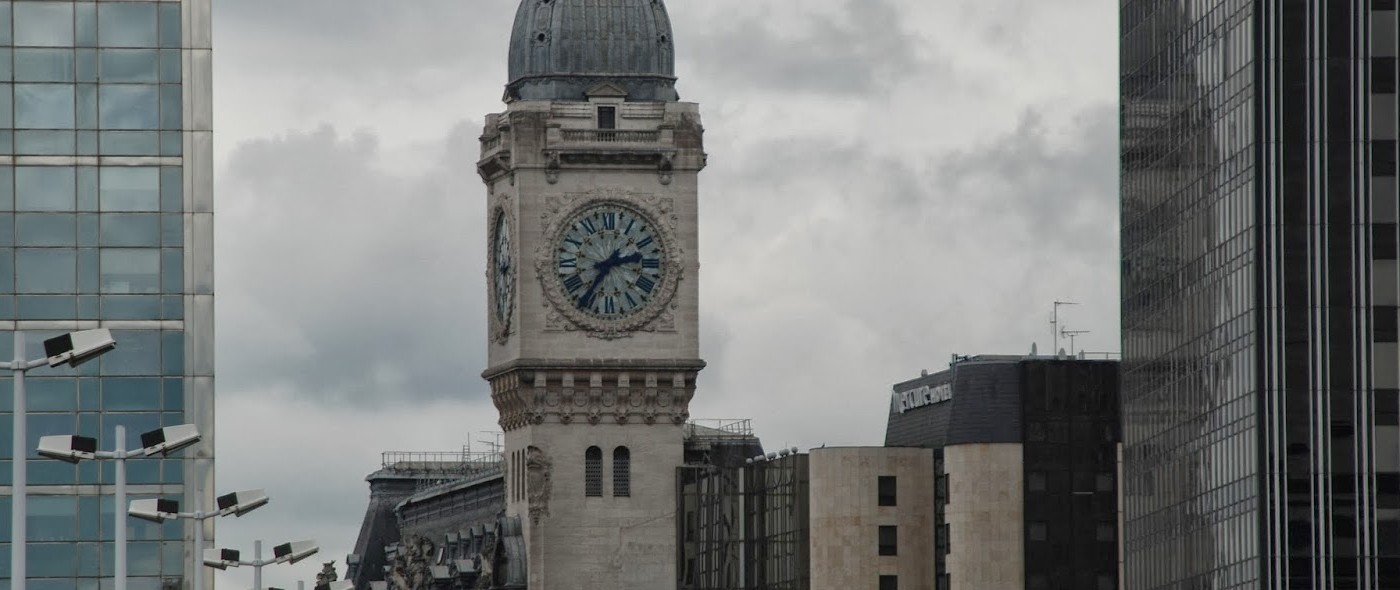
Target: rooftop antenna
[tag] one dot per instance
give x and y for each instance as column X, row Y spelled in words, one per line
column 1071, row 334
column 1055, row 324
column 494, row 443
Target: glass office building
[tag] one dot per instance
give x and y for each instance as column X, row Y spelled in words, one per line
column 106, row 221
column 1260, row 371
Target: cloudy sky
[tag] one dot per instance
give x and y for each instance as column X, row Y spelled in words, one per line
column 890, row 182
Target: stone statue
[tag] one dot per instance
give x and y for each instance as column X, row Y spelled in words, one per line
column 327, row 574
column 537, row 475
column 410, row 569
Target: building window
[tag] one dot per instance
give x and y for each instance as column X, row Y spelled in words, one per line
column 887, row 490
column 593, row 472
column 1103, row 482
column 607, row 117
column 1036, row 531
column 1106, row 532
column 1035, row 481
column 889, row 582
column 889, row 540
column 622, row 472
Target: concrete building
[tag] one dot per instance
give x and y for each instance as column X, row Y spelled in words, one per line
column 1259, row 256
column 591, row 176
column 1024, row 462
column 872, row 518
column 106, row 220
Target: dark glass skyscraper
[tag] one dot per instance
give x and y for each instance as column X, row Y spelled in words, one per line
column 1261, row 368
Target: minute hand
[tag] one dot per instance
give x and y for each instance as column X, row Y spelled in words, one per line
column 602, row 269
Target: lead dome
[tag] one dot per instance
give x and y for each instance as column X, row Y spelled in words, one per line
column 560, row 49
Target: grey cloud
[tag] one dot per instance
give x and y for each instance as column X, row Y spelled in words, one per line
column 373, row 273
column 858, row 53
column 1064, row 195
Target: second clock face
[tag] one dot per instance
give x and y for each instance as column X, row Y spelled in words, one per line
column 504, row 271
column 610, row 262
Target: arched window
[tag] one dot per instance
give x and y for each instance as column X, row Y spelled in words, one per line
column 622, row 472
column 593, row 472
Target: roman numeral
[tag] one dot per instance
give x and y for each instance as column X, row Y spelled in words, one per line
column 609, row 305
column 573, row 283
column 587, row 225
column 651, row 263
column 630, row 223
column 646, row 284
column 568, row 263
column 609, row 220
column 644, row 243
column 630, row 301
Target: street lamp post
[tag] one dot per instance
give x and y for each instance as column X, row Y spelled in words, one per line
column 73, row 349
column 284, row 553
column 71, row 449
column 237, row 504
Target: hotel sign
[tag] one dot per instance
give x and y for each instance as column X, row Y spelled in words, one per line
column 923, row 396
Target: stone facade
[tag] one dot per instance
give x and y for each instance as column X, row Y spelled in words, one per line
column 986, row 516
column 846, row 517
column 565, row 380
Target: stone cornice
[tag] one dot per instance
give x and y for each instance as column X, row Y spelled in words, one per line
column 610, row 365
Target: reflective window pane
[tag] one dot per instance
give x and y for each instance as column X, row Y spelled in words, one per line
column 43, row 65
column 130, row 189
column 129, row 65
column 130, row 270
column 126, row 24
column 133, row 106
column 45, row 229
column 44, row 188
column 45, row 271
column 138, row 229
column 44, row 106
column 43, row 24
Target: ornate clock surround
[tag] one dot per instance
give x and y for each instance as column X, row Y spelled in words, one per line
column 658, row 315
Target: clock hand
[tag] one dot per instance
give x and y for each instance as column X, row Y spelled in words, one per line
column 602, row 268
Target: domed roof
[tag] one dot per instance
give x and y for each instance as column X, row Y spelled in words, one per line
column 559, row 49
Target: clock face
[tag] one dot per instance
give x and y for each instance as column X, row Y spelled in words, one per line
column 503, row 268
column 610, row 262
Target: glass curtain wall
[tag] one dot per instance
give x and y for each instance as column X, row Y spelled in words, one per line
column 1260, row 279
column 100, row 214
column 1188, row 207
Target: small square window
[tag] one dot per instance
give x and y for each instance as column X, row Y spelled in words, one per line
column 1035, row 481
column 887, row 487
column 889, row 582
column 889, row 540
column 1108, row 582
column 607, row 117
column 1105, row 532
column 1103, row 482
column 1037, row 531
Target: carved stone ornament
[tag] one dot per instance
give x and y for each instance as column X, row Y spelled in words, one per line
column 658, row 315
column 538, row 473
column 410, row 567
column 501, row 285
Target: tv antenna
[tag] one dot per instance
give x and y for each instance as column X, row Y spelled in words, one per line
column 1055, row 326
column 494, row 443
column 1071, row 334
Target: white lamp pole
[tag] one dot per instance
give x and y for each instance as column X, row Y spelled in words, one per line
column 73, row 349
column 72, row 449
column 284, row 553
column 237, row 504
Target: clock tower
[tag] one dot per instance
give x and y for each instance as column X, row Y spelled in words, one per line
column 591, row 176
